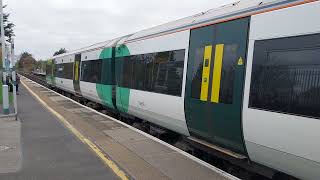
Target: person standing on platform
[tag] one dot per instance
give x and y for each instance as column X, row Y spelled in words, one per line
column 17, row 83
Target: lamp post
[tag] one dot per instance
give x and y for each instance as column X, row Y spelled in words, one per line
column 2, row 36
column 14, row 79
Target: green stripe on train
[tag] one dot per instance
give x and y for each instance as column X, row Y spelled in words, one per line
column 105, row 91
column 123, row 94
column 50, row 71
column 105, row 94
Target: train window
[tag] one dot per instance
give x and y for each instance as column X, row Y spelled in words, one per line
column 229, row 63
column 160, row 74
column 107, row 72
column 214, row 55
column 286, row 76
column 49, row 69
column 64, row 70
column 138, row 72
column 91, row 71
column 200, row 38
column 127, row 72
column 148, row 60
column 68, row 70
column 154, row 72
column 169, row 72
column 229, row 35
column 197, row 73
column 58, row 70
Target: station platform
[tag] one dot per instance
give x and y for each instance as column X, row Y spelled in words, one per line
column 39, row 147
column 62, row 138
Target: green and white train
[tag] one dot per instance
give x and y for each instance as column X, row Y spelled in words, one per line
column 243, row 79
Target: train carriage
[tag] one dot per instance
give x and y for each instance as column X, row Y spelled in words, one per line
column 152, row 75
column 63, row 68
column 242, row 79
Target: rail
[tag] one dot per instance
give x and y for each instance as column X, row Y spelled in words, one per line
column 36, row 78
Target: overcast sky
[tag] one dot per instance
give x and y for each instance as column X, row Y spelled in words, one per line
column 44, row 26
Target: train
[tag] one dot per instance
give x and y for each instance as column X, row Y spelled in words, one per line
column 242, row 79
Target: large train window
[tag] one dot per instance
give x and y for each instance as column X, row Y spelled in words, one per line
column 159, row 72
column 64, row 70
column 168, row 72
column 286, row 75
column 91, row 71
column 107, row 72
column 127, row 72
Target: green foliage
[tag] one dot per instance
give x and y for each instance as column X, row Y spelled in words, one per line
column 8, row 26
column 26, row 62
column 25, row 55
column 61, row 51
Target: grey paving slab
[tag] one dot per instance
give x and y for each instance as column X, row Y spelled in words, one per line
column 10, row 146
column 111, row 125
column 45, row 91
column 69, row 104
column 75, row 110
column 147, row 147
column 57, row 98
column 124, row 135
column 50, row 151
column 179, row 167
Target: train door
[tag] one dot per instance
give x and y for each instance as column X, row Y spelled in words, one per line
column 76, row 73
column 215, row 80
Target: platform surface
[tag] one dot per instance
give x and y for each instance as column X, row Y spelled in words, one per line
column 139, row 155
column 46, row 150
column 10, row 146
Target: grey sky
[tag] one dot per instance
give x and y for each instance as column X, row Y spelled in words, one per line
column 44, row 26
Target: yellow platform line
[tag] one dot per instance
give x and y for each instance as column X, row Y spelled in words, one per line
column 81, row 137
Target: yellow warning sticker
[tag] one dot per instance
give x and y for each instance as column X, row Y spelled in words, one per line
column 240, row 62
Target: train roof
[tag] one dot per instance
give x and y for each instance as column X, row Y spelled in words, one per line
column 100, row 45
column 227, row 12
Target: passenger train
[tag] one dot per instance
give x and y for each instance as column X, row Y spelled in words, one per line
column 243, row 79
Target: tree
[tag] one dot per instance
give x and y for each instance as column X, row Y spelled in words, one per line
column 8, row 26
column 25, row 55
column 61, row 51
column 26, row 62
column 8, row 31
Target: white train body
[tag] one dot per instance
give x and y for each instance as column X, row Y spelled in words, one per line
column 284, row 141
